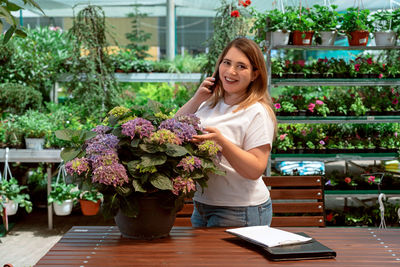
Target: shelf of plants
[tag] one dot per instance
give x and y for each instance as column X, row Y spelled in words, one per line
column 329, row 154
column 338, row 119
column 335, row 82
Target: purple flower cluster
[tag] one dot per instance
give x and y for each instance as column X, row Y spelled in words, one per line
column 190, row 119
column 183, row 185
column 101, row 143
column 183, row 130
column 109, row 172
column 139, row 126
column 101, row 129
column 77, row 165
column 189, row 163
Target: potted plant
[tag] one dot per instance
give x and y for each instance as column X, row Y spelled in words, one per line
column 11, row 196
column 301, row 25
column 382, row 24
column 271, row 25
column 143, row 163
column 90, row 201
column 62, row 196
column 35, row 126
column 326, row 23
column 355, row 24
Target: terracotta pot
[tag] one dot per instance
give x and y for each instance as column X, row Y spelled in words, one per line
column 152, row 222
column 299, row 40
column 89, row 208
column 358, row 38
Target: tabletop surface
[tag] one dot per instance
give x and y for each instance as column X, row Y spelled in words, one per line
column 104, row 246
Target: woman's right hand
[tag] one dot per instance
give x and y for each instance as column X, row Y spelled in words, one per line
column 203, row 92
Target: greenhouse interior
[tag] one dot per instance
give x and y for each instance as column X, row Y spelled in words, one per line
column 94, row 105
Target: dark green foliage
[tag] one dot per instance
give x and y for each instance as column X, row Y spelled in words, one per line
column 93, row 83
column 16, row 98
column 138, row 36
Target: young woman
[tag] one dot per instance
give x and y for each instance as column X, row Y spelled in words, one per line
column 236, row 111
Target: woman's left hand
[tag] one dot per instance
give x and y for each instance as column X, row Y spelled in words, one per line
column 212, row 134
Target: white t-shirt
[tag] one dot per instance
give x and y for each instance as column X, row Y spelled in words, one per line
column 247, row 128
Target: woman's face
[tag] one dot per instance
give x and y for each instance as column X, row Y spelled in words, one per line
column 236, row 73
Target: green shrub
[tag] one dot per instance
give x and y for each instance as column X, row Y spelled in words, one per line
column 16, row 98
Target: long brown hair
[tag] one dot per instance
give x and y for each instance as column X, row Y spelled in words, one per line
column 257, row 90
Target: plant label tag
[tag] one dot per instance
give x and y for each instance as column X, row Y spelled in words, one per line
column 363, row 41
column 370, row 118
column 306, row 41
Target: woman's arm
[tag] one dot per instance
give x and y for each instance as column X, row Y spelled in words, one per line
column 201, row 95
column 250, row 164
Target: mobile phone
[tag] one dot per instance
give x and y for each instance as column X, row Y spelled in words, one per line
column 216, row 76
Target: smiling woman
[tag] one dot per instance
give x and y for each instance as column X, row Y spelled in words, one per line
column 239, row 117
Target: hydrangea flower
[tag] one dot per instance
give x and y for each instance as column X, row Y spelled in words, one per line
column 183, row 185
column 190, row 119
column 139, row 126
column 189, row 163
column 77, row 165
column 101, row 129
column 183, row 130
column 113, row 174
column 102, row 143
column 210, row 147
column 164, row 136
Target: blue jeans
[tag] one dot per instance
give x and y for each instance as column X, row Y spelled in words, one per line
column 221, row 216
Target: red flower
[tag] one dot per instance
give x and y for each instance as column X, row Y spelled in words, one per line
column 347, row 180
column 300, row 62
column 357, row 67
column 329, row 217
column 383, row 65
column 235, row 14
column 395, row 101
column 380, row 76
column 245, row 3
column 369, row 61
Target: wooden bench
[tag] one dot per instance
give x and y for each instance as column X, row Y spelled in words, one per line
column 296, row 201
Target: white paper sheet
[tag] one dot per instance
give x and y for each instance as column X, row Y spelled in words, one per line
column 268, row 236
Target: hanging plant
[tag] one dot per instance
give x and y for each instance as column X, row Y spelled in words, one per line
column 93, row 83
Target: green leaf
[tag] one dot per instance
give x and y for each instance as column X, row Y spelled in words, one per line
column 8, row 34
column 13, row 7
column 20, row 33
column 175, row 150
column 88, row 135
column 65, row 134
column 132, row 166
column 69, row 153
column 135, row 142
column 161, row 182
column 149, row 148
column 153, row 160
column 138, row 187
column 123, row 191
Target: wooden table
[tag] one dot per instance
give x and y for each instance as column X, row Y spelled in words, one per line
column 104, row 246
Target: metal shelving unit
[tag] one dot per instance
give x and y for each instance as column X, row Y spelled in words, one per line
column 338, row 119
column 332, row 119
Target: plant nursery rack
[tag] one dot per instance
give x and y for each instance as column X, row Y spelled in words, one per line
column 338, row 119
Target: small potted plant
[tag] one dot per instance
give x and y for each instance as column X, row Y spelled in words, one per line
column 302, row 25
column 90, row 201
column 382, row 24
column 326, row 23
column 63, row 196
column 271, row 25
column 355, row 24
column 35, row 126
column 11, row 196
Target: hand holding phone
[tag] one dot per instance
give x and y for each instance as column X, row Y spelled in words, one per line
column 216, row 77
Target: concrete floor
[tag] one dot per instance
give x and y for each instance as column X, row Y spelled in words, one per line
column 30, row 239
